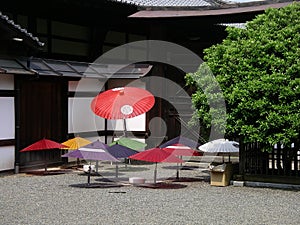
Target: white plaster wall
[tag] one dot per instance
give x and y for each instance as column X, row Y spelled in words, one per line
column 7, row 118
column 7, row 158
column 81, row 118
column 6, row 82
column 7, row 123
column 137, row 123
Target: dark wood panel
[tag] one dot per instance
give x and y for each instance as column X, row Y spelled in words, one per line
column 42, row 115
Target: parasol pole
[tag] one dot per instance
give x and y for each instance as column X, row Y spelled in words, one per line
column 155, row 173
column 89, row 174
column 46, row 167
column 45, row 161
column 125, row 128
column 125, row 135
column 117, row 169
column 97, row 166
column 177, row 172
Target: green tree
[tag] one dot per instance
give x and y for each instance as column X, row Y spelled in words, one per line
column 258, row 70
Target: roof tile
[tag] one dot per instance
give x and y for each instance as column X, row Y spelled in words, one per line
column 11, row 23
column 167, row 3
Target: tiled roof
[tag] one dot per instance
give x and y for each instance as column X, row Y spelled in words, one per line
column 207, row 11
column 18, row 28
column 236, row 25
column 196, row 4
column 167, row 3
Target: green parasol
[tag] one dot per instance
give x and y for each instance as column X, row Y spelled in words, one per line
column 129, row 143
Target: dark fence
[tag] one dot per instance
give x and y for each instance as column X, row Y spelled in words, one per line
column 283, row 161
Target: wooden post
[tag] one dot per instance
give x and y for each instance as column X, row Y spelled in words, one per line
column 242, row 152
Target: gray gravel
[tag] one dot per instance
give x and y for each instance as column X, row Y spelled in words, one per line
column 31, row 199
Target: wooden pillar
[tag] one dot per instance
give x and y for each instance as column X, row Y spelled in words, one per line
column 157, row 32
column 17, row 124
column 242, row 153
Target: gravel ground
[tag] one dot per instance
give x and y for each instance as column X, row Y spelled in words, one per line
column 32, row 199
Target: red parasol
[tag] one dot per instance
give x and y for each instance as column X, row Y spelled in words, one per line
column 44, row 144
column 156, row 155
column 122, row 103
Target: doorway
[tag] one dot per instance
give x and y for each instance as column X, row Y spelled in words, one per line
column 42, row 114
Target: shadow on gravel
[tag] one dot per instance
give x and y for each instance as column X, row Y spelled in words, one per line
column 181, row 167
column 100, row 174
column 46, row 173
column 162, row 185
column 188, row 179
column 113, row 179
column 130, row 169
column 96, row 185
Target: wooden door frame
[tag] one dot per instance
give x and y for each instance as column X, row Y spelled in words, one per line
column 58, row 82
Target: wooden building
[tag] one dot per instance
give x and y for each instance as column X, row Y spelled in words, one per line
column 47, row 47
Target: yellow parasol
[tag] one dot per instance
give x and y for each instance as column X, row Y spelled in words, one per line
column 75, row 143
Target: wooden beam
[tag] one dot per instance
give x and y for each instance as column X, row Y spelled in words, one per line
column 7, row 93
column 7, row 142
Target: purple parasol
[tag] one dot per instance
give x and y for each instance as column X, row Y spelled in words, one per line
column 91, row 154
column 93, row 151
column 120, row 151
